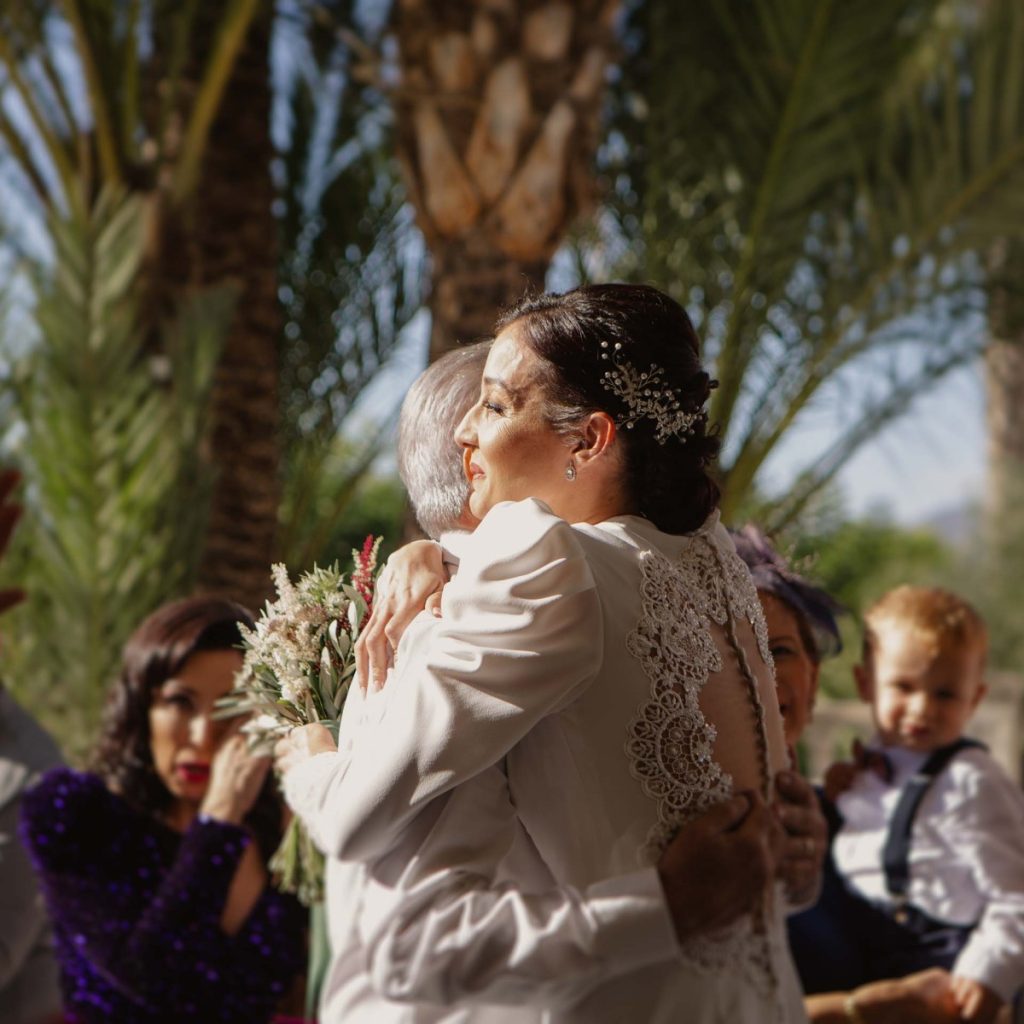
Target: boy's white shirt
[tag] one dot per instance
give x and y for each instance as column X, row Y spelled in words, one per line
column 966, row 855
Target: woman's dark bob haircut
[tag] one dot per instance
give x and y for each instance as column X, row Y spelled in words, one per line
column 154, row 653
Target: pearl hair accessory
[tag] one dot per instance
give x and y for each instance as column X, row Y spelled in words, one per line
column 647, row 396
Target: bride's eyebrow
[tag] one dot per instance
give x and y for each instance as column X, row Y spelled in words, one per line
column 497, row 382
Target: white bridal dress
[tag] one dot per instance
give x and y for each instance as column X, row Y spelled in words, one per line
column 494, row 815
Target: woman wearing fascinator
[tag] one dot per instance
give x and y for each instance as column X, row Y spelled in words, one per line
column 802, row 628
column 802, row 632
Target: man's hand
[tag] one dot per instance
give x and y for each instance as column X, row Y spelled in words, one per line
column 806, row 837
column 718, row 866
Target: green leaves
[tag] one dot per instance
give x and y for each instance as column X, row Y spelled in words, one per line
column 116, row 486
column 814, row 181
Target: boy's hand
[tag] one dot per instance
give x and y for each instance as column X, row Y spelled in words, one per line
column 839, row 776
column 977, row 1002
column 838, row 779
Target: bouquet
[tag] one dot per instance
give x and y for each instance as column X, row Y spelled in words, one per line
column 298, row 666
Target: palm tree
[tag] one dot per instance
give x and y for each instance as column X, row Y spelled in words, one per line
column 1004, row 380
column 498, row 112
column 227, row 233
column 141, row 185
column 815, row 180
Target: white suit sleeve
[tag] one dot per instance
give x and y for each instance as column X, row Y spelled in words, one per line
column 988, row 830
column 519, row 638
column 439, row 926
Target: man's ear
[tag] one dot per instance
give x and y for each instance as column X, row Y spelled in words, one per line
column 598, row 436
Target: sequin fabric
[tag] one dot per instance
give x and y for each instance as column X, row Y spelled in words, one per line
column 136, row 909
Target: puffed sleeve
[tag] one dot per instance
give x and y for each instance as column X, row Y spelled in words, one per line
column 438, row 924
column 988, row 828
column 519, row 637
column 74, row 830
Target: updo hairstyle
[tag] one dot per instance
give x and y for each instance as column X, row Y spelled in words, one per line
column 636, row 324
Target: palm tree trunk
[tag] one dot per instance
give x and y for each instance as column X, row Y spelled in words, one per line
column 498, row 116
column 1004, row 379
column 228, row 235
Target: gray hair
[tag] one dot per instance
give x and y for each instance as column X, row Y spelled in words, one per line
column 429, row 459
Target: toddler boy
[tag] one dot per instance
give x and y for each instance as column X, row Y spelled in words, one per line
column 931, row 843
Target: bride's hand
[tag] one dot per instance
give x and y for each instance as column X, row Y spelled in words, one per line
column 415, row 577
column 302, row 743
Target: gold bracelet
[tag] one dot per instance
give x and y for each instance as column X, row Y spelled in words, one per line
column 853, row 1014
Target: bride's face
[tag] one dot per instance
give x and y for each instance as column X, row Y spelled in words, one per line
column 509, row 450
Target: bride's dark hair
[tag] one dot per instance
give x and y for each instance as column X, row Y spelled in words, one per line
column 669, row 483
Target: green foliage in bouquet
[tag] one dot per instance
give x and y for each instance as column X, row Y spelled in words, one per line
column 298, row 667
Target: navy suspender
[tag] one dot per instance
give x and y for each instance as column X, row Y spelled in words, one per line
column 896, row 853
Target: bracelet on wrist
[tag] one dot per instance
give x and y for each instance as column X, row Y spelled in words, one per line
column 852, row 1010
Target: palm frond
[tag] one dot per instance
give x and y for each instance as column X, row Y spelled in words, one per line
column 110, row 448
column 819, row 176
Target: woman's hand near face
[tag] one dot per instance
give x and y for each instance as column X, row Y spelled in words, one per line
column 718, row 866
column 236, row 775
column 414, row 574
column 302, row 743
column 806, row 837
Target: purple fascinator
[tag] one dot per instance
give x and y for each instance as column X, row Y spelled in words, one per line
column 772, row 573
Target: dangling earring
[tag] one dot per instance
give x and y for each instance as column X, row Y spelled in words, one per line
column 570, row 471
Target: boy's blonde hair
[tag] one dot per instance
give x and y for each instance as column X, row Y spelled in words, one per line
column 937, row 616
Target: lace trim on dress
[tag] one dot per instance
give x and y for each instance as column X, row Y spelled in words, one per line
column 670, row 743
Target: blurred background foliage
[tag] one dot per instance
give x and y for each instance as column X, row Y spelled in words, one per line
column 222, row 223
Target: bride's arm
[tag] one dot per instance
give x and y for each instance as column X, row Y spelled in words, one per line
column 520, row 637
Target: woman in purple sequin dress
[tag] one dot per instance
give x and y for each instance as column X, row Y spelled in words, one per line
column 154, row 866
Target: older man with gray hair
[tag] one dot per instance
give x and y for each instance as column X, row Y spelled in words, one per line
column 429, row 459
column 431, row 468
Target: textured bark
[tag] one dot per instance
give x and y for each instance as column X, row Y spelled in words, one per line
column 498, row 115
column 1004, row 380
column 228, row 235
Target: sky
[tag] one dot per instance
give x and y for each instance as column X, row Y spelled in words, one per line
column 927, row 462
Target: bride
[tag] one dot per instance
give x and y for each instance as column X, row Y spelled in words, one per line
column 590, row 691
